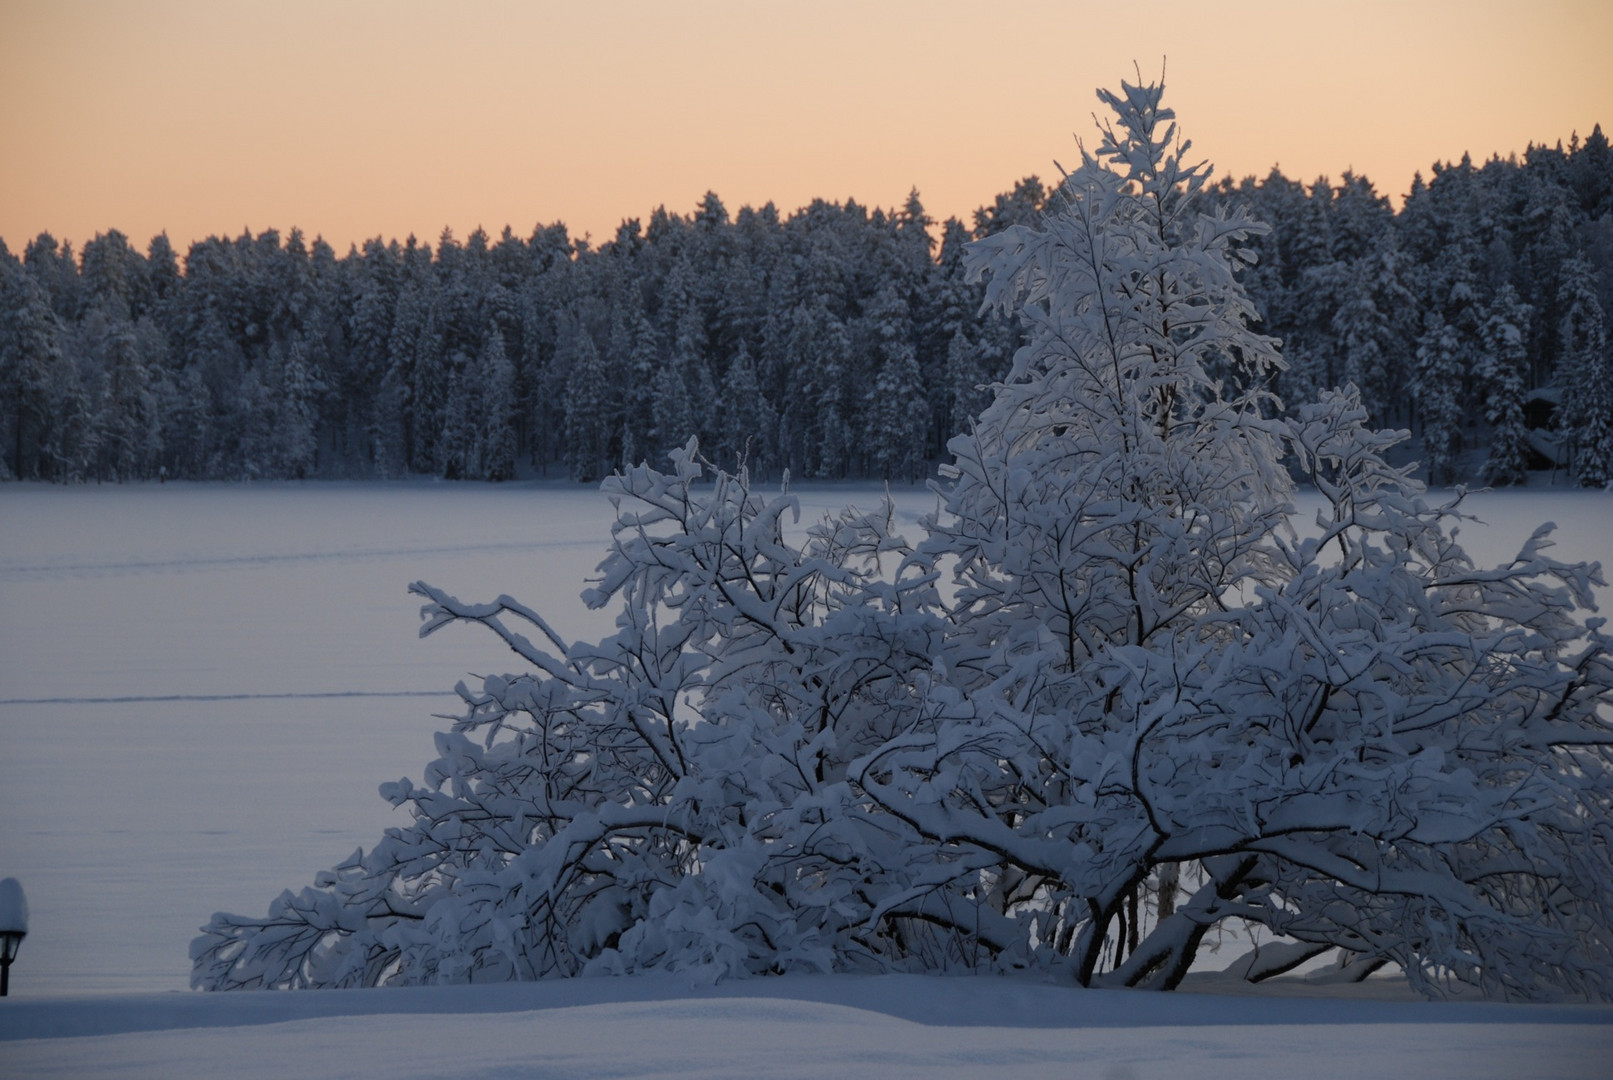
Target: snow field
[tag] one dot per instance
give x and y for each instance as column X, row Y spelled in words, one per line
column 892, row 1026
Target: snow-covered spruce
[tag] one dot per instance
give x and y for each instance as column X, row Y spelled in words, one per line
column 1108, row 702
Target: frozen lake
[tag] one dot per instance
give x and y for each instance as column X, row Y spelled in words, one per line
column 202, row 685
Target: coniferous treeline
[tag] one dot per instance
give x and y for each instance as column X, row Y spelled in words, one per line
column 1483, row 299
column 835, row 342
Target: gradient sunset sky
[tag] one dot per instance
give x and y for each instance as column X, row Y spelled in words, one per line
column 361, row 118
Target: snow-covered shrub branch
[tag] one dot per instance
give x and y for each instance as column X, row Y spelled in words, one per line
column 1110, row 701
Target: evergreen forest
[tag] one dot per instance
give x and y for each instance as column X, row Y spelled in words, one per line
column 834, row 342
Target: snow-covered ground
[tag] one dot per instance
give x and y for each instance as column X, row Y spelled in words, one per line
column 891, row 1026
column 202, row 685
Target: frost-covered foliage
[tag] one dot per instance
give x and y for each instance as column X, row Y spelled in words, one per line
column 1108, row 703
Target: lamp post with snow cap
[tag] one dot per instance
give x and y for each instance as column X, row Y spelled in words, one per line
column 13, row 927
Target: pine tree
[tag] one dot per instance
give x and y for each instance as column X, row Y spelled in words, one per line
column 831, row 451
column 430, row 367
column 1363, row 333
column 42, row 396
column 745, row 418
column 589, row 420
column 499, row 440
column 673, row 423
column 633, row 356
column 458, row 446
column 1586, row 374
column 1448, row 354
column 295, row 444
column 189, row 414
column 112, row 275
column 128, row 427
column 1501, row 372
column 1022, row 205
column 388, row 426
column 969, row 386
column 371, row 388
column 1438, row 391
column 895, row 407
column 246, row 444
column 542, row 378
column 54, row 269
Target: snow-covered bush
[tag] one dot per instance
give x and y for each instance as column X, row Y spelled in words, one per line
column 1108, row 702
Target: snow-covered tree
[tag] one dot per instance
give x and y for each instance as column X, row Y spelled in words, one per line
column 1110, row 702
column 1501, row 372
column 127, row 432
column 44, row 411
column 1438, row 390
column 497, row 375
column 590, row 417
column 745, row 420
column 1449, row 354
column 1108, row 498
column 294, row 439
column 968, row 384
column 429, row 368
column 1586, row 372
column 1364, row 334
column 673, row 415
column 634, row 354
column 895, row 406
column 458, row 446
column 820, row 403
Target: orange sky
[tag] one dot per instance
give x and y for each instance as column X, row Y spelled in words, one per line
column 352, row 118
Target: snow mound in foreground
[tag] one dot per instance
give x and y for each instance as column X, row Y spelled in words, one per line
column 810, row 1026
